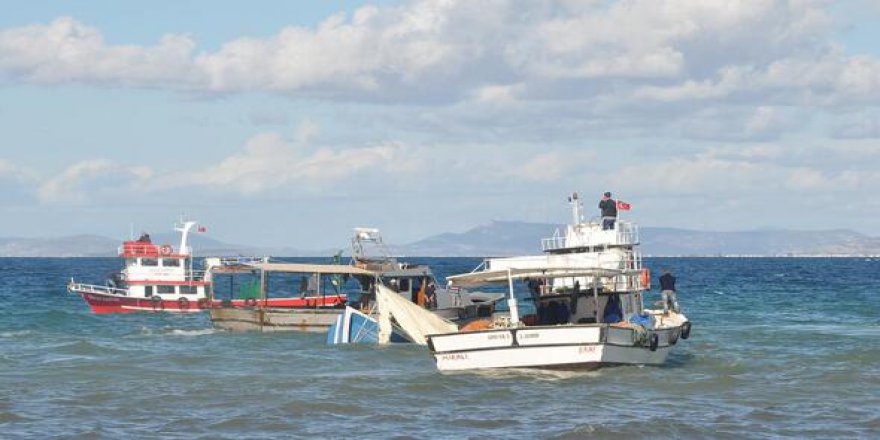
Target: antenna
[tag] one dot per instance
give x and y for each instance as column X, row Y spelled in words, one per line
column 576, row 206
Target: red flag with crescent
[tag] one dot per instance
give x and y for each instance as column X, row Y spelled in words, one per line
column 623, row 206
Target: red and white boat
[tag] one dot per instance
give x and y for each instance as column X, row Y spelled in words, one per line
column 156, row 278
column 160, row 278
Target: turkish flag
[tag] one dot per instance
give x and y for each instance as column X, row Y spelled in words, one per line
column 201, row 229
column 623, row 206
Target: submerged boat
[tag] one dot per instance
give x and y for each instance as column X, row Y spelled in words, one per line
column 410, row 283
column 156, row 278
column 588, row 290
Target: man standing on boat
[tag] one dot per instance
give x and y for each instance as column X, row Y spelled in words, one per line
column 667, row 292
column 609, row 211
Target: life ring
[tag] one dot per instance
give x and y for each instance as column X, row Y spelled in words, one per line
column 165, row 249
column 645, row 278
column 250, row 302
column 183, row 303
column 157, row 303
column 686, row 330
column 655, row 340
column 202, row 303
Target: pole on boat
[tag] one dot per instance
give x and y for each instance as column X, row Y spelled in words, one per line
column 514, row 309
column 317, row 287
column 575, row 209
column 263, row 281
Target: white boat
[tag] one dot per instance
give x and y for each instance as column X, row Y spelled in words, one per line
column 588, row 289
column 156, row 278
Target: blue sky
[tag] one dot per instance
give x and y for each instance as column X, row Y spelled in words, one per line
column 289, row 123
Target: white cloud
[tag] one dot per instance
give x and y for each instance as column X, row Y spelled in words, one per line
column 89, row 179
column 543, row 167
column 67, row 50
column 449, row 50
column 731, row 172
column 863, row 125
column 762, row 123
column 269, row 161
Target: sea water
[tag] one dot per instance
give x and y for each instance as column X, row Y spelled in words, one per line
column 779, row 348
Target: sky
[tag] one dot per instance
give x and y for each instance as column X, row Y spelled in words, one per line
column 279, row 123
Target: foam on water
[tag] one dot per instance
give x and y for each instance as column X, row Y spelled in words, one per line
column 779, row 348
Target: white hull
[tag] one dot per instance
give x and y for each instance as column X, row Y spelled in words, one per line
column 566, row 346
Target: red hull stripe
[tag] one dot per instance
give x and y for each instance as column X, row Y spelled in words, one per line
column 123, row 304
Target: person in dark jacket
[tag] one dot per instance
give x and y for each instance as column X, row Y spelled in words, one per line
column 608, row 206
column 667, row 292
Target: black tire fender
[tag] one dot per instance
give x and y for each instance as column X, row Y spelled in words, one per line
column 686, row 330
column 156, row 301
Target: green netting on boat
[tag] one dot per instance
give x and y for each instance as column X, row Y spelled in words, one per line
column 249, row 290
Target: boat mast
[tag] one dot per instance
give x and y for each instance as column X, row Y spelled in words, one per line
column 184, row 234
column 576, row 207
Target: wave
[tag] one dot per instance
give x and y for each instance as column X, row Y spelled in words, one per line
column 15, row 333
column 199, row 332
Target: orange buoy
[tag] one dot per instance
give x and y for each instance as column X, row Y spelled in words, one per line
column 478, row 325
column 645, row 278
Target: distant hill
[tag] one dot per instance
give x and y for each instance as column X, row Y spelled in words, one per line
column 497, row 238
column 682, row 242
column 97, row 246
column 500, row 238
column 73, row 246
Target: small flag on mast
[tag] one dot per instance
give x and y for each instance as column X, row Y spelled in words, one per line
column 623, row 206
column 201, row 229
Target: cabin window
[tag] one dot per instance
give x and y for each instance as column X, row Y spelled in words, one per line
column 404, row 285
column 165, row 289
column 148, row 291
column 170, row 262
column 189, row 290
column 149, row 262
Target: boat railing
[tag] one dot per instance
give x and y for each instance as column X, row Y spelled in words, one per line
column 591, row 234
column 141, row 249
column 616, row 283
column 93, row 288
column 242, row 261
column 557, row 241
column 196, row 275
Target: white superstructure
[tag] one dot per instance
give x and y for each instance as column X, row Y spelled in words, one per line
column 587, row 289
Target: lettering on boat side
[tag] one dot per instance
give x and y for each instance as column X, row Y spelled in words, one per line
column 528, row 335
column 587, row 349
column 493, row 337
column 454, row 357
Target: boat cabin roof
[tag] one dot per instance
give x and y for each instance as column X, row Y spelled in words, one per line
column 332, row 269
column 501, row 276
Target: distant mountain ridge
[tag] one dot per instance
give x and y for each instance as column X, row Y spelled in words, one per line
column 98, row 246
column 497, row 238
column 500, row 238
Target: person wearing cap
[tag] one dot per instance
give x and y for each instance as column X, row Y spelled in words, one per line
column 609, row 211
